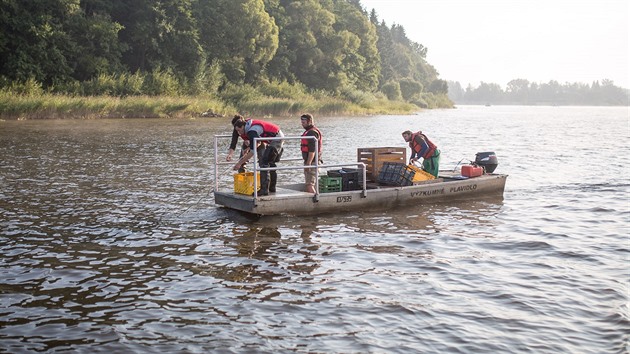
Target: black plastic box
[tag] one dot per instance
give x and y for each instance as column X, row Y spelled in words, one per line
column 349, row 179
column 396, row 174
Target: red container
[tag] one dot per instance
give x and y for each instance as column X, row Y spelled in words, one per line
column 471, row 171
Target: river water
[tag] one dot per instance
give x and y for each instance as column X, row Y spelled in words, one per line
column 110, row 241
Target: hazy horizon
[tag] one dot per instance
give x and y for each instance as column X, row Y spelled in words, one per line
column 497, row 41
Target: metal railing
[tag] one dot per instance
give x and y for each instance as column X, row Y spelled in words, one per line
column 316, row 166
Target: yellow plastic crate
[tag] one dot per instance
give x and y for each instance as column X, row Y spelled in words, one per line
column 244, row 182
column 420, row 174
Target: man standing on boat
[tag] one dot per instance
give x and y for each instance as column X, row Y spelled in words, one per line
column 307, row 147
column 268, row 151
column 421, row 146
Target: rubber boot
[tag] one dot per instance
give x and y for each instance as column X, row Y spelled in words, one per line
column 264, row 183
column 272, row 181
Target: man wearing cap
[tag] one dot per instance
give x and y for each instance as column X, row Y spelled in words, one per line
column 307, row 147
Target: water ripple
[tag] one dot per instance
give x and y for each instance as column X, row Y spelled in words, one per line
column 111, row 241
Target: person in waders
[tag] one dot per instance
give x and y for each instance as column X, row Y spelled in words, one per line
column 269, row 151
column 421, row 146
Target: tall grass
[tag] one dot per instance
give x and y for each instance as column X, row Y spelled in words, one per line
column 124, row 96
column 51, row 106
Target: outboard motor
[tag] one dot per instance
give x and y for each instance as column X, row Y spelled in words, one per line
column 487, row 160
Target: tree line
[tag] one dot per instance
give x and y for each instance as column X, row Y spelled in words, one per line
column 205, row 47
column 521, row 91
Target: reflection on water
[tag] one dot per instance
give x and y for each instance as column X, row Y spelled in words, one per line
column 111, row 242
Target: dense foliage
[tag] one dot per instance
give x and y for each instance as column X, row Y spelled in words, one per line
column 211, row 47
column 523, row 92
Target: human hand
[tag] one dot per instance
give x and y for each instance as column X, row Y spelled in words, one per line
column 228, row 157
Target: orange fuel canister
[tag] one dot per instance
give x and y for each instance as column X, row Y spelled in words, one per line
column 471, row 171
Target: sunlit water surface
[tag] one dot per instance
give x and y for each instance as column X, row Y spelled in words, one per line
column 110, row 241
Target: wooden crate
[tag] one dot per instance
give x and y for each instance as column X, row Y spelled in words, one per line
column 374, row 158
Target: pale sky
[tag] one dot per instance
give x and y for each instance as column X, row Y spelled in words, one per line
column 496, row 41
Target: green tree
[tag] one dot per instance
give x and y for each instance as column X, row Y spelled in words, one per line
column 94, row 41
column 57, row 41
column 455, row 91
column 200, row 46
column 403, row 59
column 438, row 86
column 159, row 34
column 361, row 63
column 610, row 94
column 410, row 89
column 240, row 35
column 279, row 67
column 486, row 93
column 312, row 51
column 392, row 90
column 550, row 92
column 518, row 90
column 34, row 43
column 385, row 45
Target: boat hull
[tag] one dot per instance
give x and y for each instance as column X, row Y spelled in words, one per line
column 290, row 200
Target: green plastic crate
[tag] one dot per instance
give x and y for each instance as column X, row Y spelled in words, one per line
column 329, row 184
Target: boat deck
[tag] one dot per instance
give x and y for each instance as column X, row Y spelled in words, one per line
column 291, row 199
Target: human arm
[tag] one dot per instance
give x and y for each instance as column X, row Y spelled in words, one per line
column 232, row 145
column 311, row 146
column 309, row 158
column 251, row 135
column 248, row 155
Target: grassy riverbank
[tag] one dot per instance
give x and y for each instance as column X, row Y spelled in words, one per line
column 54, row 106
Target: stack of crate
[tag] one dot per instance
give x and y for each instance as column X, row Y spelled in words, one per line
column 396, row 174
column 349, row 179
column 374, row 158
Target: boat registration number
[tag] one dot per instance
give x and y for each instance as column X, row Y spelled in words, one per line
column 346, row 199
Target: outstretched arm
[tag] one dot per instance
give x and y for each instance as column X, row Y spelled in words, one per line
column 232, row 145
column 243, row 159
